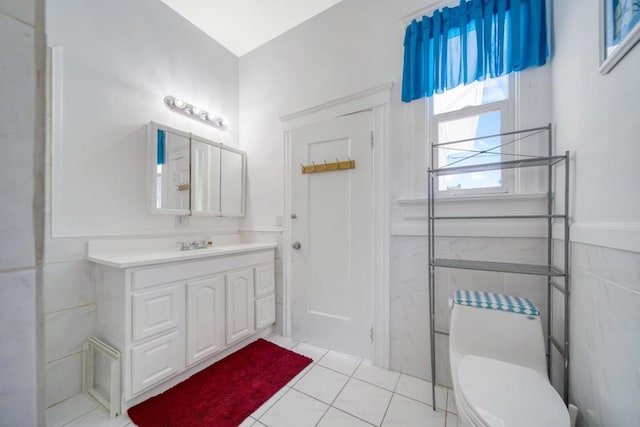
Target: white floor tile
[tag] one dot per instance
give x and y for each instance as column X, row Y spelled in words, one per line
column 309, row 350
column 248, row 422
column 364, row 400
column 340, row 362
column 100, row 418
column 418, row 389
column 451, row 402
column 337, row 418
column 285, row 342
column 405, row 412
column 322, row 383
column 69, row 410
column 377, row 376
column 269, row 403
column 295, row 410
column 298, row 377
column 452, row 420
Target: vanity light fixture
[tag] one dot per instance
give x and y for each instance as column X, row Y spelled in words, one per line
column 182, row 107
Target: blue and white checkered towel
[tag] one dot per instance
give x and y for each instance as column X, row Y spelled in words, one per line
column 496, row 302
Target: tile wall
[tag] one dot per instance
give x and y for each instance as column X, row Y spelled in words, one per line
column 410, row 351
column 69, row 304
column 21, row 216
column 605, row 335
column 70, row 314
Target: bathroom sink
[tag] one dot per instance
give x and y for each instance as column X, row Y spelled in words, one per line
column 140, row 257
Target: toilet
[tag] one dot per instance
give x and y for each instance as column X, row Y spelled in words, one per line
column 498, row 364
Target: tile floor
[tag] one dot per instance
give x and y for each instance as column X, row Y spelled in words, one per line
column 336, row 390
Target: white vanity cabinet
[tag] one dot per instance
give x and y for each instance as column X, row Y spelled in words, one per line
column 265, row 300
column 173, row 318
column 205, row 317
column 239, row 305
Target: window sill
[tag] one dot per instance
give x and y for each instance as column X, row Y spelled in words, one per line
column 411, row 217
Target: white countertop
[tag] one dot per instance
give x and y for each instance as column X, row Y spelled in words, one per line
column 159, row 256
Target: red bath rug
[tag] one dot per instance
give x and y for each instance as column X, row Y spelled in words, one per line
column 225, row 393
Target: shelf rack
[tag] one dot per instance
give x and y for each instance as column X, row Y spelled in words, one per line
column 552, row 273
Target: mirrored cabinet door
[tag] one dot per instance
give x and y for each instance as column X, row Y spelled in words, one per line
column 172, row 178
column 205, row 175
column 232, row 181
column 189, row 175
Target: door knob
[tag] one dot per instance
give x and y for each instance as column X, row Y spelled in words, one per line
column 296, row 245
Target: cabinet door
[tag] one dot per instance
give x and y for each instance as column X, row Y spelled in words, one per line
column 265, row 280
column 156, row 360
column 157, row 311
column 205, row 318
column 265, row 311
column 240, row 315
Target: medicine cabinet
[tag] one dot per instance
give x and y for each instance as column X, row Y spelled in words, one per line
column 190, row 175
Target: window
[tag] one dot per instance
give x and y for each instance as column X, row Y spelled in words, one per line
column 479, row 109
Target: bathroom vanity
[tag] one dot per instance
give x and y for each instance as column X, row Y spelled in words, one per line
column 172, row 313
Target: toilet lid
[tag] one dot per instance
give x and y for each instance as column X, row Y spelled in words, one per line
column 502, row 394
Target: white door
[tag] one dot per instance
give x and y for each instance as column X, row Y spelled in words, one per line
column 332, row 286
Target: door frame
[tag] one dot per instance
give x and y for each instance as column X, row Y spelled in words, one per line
column 377, row 100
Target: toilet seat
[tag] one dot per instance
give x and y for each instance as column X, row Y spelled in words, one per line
column 502, row 394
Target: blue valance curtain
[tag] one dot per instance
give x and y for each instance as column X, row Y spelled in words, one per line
column 473, row 41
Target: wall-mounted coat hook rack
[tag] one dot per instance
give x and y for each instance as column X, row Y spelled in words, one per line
column 328, row 167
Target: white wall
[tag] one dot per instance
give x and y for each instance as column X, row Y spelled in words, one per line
column 120, row 59
column 353, row 46
column 22, row 121
column 597, row 119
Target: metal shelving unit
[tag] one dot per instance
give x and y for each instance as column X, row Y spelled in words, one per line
column 552, row 273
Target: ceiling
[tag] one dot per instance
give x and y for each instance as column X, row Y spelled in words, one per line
column 243, row 25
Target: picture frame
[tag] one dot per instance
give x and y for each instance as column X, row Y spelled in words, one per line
column 619, row 31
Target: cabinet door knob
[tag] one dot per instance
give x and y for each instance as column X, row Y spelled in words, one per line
column 296, row 245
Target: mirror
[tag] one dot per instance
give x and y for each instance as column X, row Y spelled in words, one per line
column 172, row 181
column 232, row 164
column 190, row 175
column 205, row 173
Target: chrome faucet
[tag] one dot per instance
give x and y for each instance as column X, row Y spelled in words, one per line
column 196, row 244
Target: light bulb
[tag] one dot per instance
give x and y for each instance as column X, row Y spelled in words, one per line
column 189, row 110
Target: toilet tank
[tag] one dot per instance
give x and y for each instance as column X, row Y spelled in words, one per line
column 496, row 334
